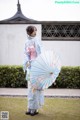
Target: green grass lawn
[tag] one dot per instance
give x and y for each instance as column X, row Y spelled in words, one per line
column 54, row 109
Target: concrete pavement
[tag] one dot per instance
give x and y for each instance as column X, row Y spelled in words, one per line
column 63, row 93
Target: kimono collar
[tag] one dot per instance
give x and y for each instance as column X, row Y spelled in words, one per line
column 30, row 38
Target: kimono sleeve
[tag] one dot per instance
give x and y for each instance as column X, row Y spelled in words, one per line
column 39, row 47
column 26, row 57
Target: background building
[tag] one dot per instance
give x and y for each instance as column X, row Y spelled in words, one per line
column 62, row 37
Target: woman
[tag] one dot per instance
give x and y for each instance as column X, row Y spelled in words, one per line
column 32, row 49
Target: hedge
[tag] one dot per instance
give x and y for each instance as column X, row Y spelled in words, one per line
column 14, row 77
column 69, row 77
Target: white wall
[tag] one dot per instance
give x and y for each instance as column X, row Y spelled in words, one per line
column 69, row 51
column 12, row 40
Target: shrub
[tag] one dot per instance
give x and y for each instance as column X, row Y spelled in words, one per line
column 13, row 76
column 69, row 77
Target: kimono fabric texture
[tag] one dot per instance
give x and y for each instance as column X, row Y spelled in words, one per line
column 32, row 50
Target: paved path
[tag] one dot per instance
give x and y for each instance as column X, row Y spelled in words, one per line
column 64, row 93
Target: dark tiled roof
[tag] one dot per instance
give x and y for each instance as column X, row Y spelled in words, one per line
column 18, row 17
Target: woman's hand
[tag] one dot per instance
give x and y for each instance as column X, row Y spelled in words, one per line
column 28, row 64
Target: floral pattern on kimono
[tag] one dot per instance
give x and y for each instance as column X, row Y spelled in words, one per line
column 32, row 50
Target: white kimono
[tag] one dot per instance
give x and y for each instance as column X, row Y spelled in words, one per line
column 33, row 48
